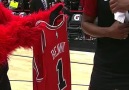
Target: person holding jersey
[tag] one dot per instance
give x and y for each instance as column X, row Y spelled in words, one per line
column 111, row 59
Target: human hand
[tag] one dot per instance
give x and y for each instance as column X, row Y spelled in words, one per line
column 118, row 30
column 119, row 5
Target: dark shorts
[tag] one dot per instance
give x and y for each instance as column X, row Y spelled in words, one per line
column 4, row 80
column 102, row 80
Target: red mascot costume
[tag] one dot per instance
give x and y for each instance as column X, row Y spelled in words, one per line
column 18, row 32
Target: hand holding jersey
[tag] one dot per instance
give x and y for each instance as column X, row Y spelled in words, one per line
column 55, row 75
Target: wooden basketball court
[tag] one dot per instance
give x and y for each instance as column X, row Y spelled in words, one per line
column 20, row 69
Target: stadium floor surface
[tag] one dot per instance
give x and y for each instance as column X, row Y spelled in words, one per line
column 20, row 69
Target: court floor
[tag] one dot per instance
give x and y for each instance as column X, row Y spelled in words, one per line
column 20, row 69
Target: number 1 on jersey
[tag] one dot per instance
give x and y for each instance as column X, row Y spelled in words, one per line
column 61, row 80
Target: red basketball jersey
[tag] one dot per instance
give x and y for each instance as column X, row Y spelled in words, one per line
column 51, row 67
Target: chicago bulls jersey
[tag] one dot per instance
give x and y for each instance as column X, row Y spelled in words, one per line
column 51, row 65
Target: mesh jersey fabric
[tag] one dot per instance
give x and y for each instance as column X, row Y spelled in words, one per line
column 51, row 64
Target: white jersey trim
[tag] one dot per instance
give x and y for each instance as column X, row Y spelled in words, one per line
column 52, row 27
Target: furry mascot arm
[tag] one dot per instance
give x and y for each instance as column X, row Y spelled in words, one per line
column 21, row 32
column 6, row 15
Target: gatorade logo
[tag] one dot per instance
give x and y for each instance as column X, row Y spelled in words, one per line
column 77, row 17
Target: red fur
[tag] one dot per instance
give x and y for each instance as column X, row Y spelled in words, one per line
column 19, row 32
column 5, row 15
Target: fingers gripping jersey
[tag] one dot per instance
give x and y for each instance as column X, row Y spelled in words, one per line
column 51, row 68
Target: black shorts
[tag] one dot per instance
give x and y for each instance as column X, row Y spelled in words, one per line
column 4, row 80
column 102, row 80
